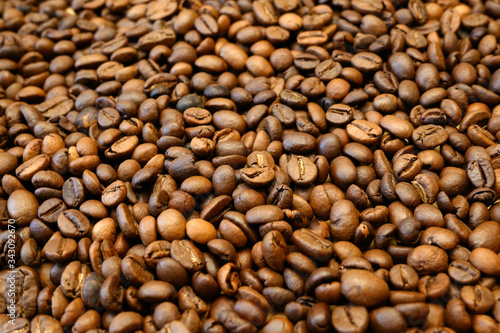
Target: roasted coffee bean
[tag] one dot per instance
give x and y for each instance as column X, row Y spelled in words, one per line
column 403, row 277
column 417, row 259
column 134, row 269
column 363, row 287
column 463, row 272
column 480, row 256
column 275, row 250
column 480, row 173
column 406, row 167
column 74, row 224
column 363, row 131
column 477, row 299
column 73, row 278
column 344, row 219
column 339, row 114
column 434, row 287
column 429, row 136
column 312, row 245
column 346, row 318
column 366, row 62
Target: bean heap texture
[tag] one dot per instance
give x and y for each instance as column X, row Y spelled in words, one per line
column 213, row 166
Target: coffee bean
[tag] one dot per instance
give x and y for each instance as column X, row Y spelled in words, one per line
column 478, row 298
column 187, row 254
column 72, row 223
column 275, row 250
column 73, row 277
column 403, row 277
column 480, row 256
column 264, row 13
column 344, row 219
column 366, row 62
column 22, row 206
column 156, row 291
column 364, row 132
column 312, row 244
column 480, row 173
column 417, row 260
column 339, row 114
column 346, row 318
column 363, row 287
column 463, row 272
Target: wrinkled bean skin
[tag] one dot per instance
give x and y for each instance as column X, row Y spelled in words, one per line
column 249, row 166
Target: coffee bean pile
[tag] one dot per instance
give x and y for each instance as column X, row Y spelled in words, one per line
column 242, row 166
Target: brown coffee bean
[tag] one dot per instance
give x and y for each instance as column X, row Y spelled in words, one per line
column 187, row 254
column 429, row 136
column 73, row 278
column 485, row 260
column 74, row 224
column 312, row 245
column 347, row 318
column 363, row 131
column 417, row 259
column 22, row 206
column 275, row 249
column 339, row 114
column 363, row 287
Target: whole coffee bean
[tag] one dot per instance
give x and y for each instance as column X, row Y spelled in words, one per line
column 456, row 315
column 343, row 171
column 312, row 245
column 114, row 194
column 463, row 272
column 485, row 260
column 167, row 265
column 318, row 317
column 251, row 312
column 112, row 293
column 344, row 219
column 429, row 136
column 407, row 166
column 188, row 255
column 302, row 170
column 156, row 291
column 264, row 214
column 257, row 176
column 477, row 299
column 445, row 239
column 364, row 131
column 200, row 231
column 171, row 225
column 366, row 62
column 403, row 277
column 228, row 279
column 275, row 250
column 22, row 206
column 339, row 114
column 484, row 236
column 363, row 287
column 134, row 269
column 346, row 318
column 418, row 259
column 434, row 287
column 91, row 289
column 72, row 223
column 73, row 278
column 126, row 322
